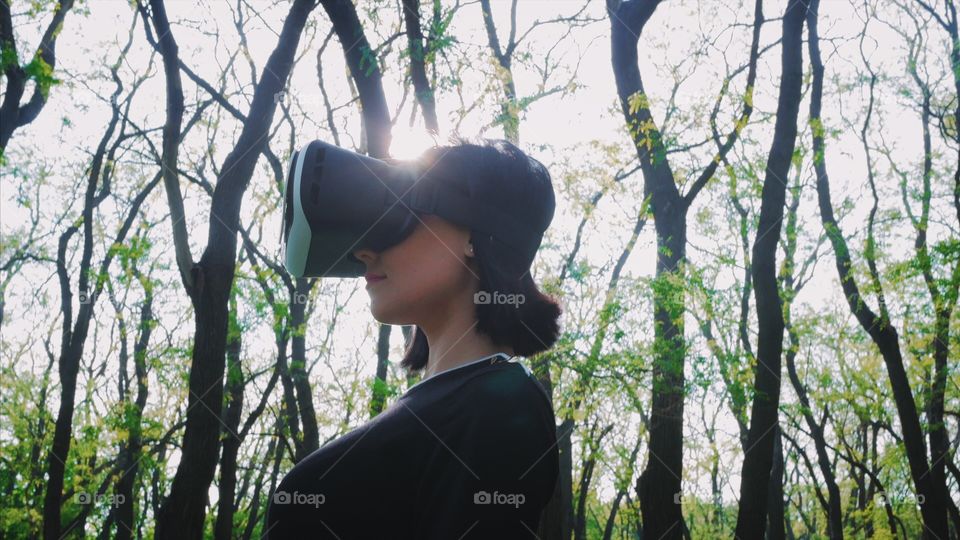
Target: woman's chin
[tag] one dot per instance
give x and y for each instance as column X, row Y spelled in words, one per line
column 382, row 314
column 392, row 319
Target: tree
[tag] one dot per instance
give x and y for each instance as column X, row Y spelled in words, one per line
column 883, row 334
column 660, row 482
column 758, row 457
column 89, row 286
column 40, row 69
column 209, row 280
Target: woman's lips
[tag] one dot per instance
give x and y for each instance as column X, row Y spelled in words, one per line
column 373, row 278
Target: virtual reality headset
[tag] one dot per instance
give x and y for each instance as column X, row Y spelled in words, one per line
column 337, row 201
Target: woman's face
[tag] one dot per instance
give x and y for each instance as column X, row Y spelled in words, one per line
column 425, row 273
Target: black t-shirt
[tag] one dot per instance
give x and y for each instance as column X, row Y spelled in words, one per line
column 468, row 453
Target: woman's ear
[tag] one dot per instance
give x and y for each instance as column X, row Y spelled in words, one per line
column 471, row 258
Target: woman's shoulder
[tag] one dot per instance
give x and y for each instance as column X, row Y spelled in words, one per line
column 508, row 390
column 506, row 379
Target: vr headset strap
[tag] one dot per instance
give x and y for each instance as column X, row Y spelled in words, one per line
column 458, row 208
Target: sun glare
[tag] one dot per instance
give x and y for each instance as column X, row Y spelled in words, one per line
column 410, row 142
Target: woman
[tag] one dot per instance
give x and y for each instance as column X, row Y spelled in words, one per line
column 469, row 451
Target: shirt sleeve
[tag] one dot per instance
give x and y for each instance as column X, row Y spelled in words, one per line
column 494, row 466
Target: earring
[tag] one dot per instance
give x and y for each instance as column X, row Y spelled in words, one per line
column 470, row 250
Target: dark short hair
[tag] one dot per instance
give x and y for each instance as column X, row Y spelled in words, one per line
column 530, row 326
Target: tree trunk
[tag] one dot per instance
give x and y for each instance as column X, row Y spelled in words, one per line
column 509, row 107
column 660, row 482
column 128, row 461
column 379, row 390
column 74, row 333
column 418, row 70
column 758, row 458
column 223, row 527
column 775, row 515
column 182, row 513
column 298, row 367
column 368, row 78
column 883, row 334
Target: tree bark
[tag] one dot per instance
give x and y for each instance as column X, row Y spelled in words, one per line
column 418, row 70
column 775, row 515
column 379, row 390
column 171, row 139
column 227, row 487
column 758, row 458
column 298, row 363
